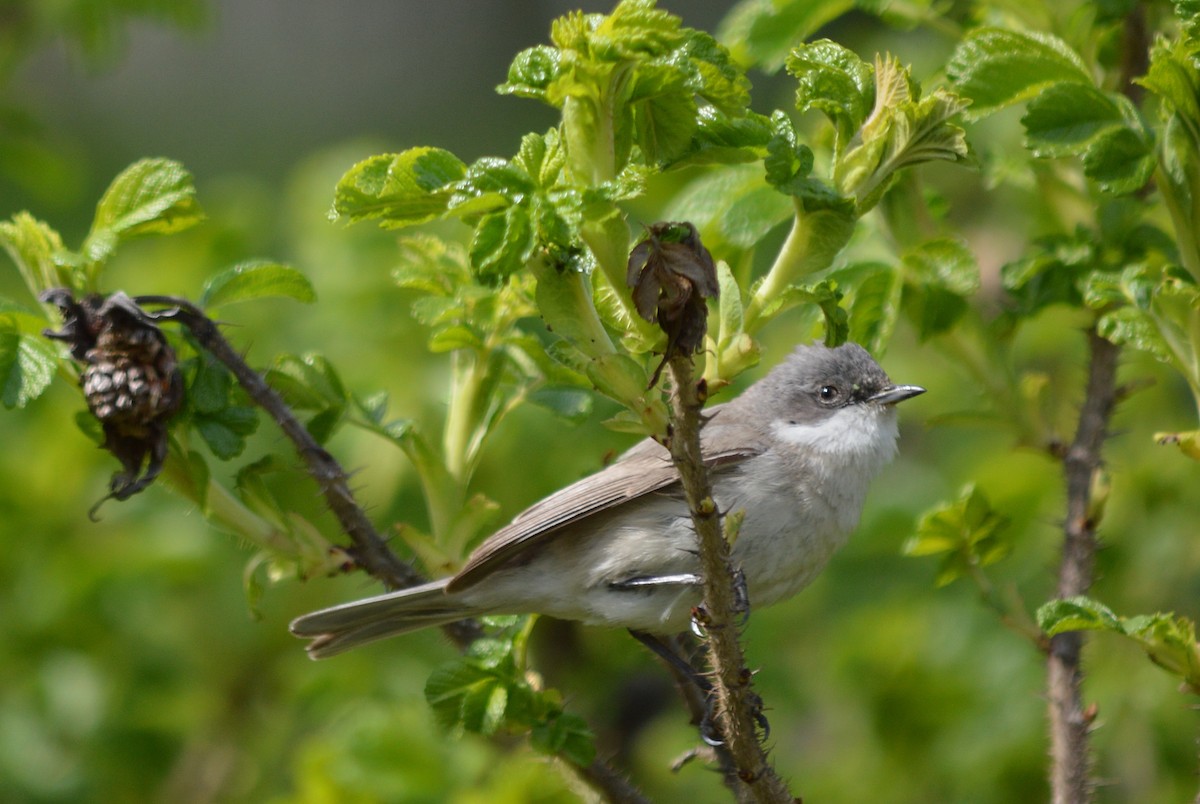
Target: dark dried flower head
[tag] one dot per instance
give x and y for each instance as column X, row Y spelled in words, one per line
column 671, row 274
column 130, row 380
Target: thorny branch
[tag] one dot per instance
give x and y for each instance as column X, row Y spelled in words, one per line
column 737, row 704
column 1070, row 721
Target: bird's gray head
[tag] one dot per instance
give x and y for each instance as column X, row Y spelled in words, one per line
column 836, row 401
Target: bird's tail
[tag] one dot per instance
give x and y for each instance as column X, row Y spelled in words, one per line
column 349, row 625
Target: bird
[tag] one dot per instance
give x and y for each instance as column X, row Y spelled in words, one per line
column 795, row 452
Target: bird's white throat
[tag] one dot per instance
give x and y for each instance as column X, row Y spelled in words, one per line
column 858, row 431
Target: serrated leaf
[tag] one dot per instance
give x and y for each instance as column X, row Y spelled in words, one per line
column 502, row 243
column 968, row 533
column 1077, row 614
column 257, row 279
column 1168, row 640
column 402, row 189
column 532, row 71
column 567, row 736
column 663, row 109
column 788, row 162
column 151, row 196
column 225, row 430
column 307, row 382
column 997, row 67
column 939, row 276
column 1129, row 326
column 1173, row 77
column 209, row 388
column 468, row 696
column 713, row 73
column 874, row 291
column 27, row 365
column 33, row 246
column 1063, row 119
column 835, row 81
column 1120, row 161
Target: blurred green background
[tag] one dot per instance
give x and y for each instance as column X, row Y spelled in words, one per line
column 131, row 667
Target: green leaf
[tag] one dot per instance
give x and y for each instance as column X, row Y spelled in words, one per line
column 968, row 533
column 939, row 276
column 27, row 365
column 33, row 246
column 564, row 300
column 1077, row 614
column 825, row 295
column 572, row 404
column 502, row 244
column 835, row 81
column 1173, row 77
column 763, row 32
column 1063, row 119
column 1120, row 161
column 873, row 291
column 225, row 430
column 399, row 189
column 620, row 377
column 152, row 196
column 903, row 130
column 307, row 382
column 209, row 389
column 1129, row 326
column 565, row 735
column 663, row 109
column 532, row 72
column 1168, row 640
column 256, row 280
column 713, row 74
column 996, row 67
column 456, row 336
column 467, row 695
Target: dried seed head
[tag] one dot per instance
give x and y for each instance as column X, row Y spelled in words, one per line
column 671, row 274
column 130, row 379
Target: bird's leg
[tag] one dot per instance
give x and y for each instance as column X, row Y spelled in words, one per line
column 680, row 664
column 709, row 729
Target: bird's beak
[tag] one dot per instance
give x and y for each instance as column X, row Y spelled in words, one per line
column 897, row 393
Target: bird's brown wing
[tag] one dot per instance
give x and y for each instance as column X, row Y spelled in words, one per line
column 643, row 469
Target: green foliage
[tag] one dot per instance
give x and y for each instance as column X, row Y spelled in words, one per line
column 27, row 366
column 1169, row 641
column 257, row 279
column 968, row 533
column 508, row 287
column 488, row 691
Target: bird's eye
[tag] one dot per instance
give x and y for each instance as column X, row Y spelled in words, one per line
column 829, row 394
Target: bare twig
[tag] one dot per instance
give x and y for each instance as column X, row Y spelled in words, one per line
column 1070, row 721
column 737, row 704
